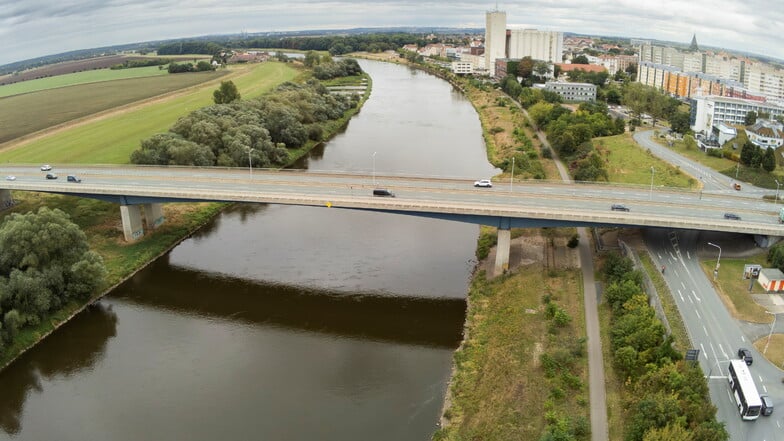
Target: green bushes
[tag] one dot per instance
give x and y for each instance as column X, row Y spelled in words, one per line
column 662, row 393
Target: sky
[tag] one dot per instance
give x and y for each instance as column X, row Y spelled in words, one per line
column 33, row 28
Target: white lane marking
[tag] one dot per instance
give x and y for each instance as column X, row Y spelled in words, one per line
column 681, row 295
column 743, row 339
column 676, row 274
column 688, row 256
column 703, row 351
column 760, row 378
column 705, row 329
column 659, row 256
column 778, row 423
column 683, row 285
column 698, row 316
column 691, row 300
column 673, row 256
column 722, row 351
column 764, row 388
column 695, row 296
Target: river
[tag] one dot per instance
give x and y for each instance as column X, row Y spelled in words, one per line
column 279, row 322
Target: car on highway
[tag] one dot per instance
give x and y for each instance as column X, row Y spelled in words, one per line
column 46, row 167
column 383, row 192
column 483, row 183
column 732, row 216
column 51, row 176
column 619, row 207
column 73, row 178
column 745, row 355
column 767, row 405
column 10, row 178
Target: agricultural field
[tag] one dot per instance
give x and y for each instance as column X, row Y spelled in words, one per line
column 111, row 140
column 22, row 115
column 66, row 67
column 74, row 79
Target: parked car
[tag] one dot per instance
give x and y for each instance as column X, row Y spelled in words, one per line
column 767, row 405
column 745, row 355
column 383, row 193
column 483, row 183
column 10, row 178
column 732, row 216
column 73, row 178
column 736, row 186
column 51, row 176
column 619, row 207
column 46, row 167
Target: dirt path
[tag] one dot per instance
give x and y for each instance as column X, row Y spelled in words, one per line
column 115, row 111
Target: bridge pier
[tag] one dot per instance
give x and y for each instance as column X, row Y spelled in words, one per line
column 766, row 241
column 502, row 251
column 132, row 222
column 6, row 200
column 153, row 216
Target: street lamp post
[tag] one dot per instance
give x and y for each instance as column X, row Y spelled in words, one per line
column 716, row 270
column 374, row 168
column 769, row 333
column 511, row 179
column 250, row 163
column 653, row 172
column 777, row 191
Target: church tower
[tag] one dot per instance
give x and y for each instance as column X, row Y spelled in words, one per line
column 694, row 47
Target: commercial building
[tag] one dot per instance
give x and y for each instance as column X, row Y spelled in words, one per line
column 766, row 133
column 572, row 91
column 539, row 45
column 708, row 111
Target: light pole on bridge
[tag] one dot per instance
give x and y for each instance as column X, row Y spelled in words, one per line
column 716, row 270
column 374, row 168
column 777, row 191
column 512, row 178
column 250, row 163
column 653, row 172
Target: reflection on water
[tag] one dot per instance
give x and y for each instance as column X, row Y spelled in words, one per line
column 408, row 320
column 76, row 346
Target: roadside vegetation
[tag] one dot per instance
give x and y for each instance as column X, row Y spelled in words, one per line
column 662, row 396
column 629, row 164
column 734, row 291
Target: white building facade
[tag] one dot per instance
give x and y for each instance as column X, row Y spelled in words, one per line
column 495, row 38
column 709, row 111
column 572, row 91
column 539, row 45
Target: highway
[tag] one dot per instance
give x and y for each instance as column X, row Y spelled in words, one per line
column 711, row 328
column 553, row 202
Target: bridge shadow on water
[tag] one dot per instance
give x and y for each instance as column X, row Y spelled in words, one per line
column 430, row 322
column 76, row 346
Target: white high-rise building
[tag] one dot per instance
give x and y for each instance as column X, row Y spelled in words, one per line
column 495, row 38
column 539, row 45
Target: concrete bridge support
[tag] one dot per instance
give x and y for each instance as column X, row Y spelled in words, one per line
column 502, row 251
column 6, row 200
column 153, row 216
column 766, row 241
column 132, row 222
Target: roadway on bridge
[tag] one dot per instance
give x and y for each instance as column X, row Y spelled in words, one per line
column 566, row 202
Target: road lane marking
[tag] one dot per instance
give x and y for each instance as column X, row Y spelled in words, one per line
column 699, row 317
column 695, row 296
column 681, row 295
column 760, row 378
column 691, row 300
column 764, row 388
column 743, row 339
column 683, row 285
column 722, row 351
column 703, row 351
column 705, row 329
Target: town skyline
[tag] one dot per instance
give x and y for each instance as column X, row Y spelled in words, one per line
column 38, row 28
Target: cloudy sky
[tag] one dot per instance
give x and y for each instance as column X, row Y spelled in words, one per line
column 32, row 28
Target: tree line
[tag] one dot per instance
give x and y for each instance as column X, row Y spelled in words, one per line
column 45, row 264
column 665, row 398
column 257, row 132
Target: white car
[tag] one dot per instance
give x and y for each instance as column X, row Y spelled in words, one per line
column 483, row 183
column 46, row 167
column 10, row 178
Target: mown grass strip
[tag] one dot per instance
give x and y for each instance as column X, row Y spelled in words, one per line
column 73, row 79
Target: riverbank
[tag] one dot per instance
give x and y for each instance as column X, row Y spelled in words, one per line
column 100, row 222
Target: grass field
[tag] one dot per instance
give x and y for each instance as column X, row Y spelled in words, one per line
column 91, row 76
column 25, row 114
column 629, row 164
column 111, row 140
column 734, row 290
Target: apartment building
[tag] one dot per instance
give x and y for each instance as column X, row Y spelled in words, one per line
column 572, row 91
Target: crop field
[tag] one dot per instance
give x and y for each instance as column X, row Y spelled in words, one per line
column 22, row 115
column 73, row 79
column 111, row 140
column 68, row 67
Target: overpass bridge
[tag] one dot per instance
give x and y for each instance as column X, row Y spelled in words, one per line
column 140, row 191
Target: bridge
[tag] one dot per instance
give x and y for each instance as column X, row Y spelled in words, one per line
column 140, row 191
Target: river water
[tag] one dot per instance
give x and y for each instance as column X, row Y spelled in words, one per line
column 279, row 322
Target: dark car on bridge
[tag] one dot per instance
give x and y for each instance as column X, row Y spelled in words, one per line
column 51, row 176
column 383, row 193
column 731, row 216
column 619, row 207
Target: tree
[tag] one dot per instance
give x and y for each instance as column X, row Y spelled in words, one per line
column 689, row 142
column 525, row 69
column 311, row 59
column 226, row 93
column 679, row 122
column 769, row 160
column 751, row 118
column 747, row 153
column 580, row 59
column 776, row 256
